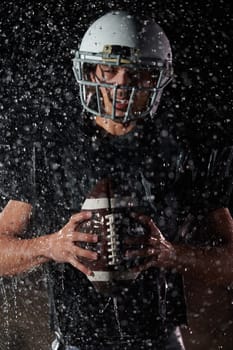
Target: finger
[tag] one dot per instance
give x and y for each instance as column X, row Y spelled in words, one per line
column 81, row 267
column 84, row 237
column 144, row 266
column 85, row 253
column 134, row 240
column 141, row 243
column 154, row 241
column 147, row 221
column 80, row 217
column 141, row 252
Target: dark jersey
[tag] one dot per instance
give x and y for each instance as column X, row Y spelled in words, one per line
column 22, row 178
column 149, row 169
column 147, row 164
column 12, row 184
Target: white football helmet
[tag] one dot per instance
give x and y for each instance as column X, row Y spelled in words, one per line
column 118, row 39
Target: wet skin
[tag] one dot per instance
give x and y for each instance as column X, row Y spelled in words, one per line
column 123, row 77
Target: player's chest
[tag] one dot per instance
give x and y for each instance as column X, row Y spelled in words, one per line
column 138, row 173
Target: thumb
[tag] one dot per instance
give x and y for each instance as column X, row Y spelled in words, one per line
column 148, row 223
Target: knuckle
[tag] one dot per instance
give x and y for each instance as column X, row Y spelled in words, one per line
column 77, row 251
column 151, row 251
column 74, row 217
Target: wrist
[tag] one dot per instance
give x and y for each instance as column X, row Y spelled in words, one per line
column 184, row 257
column 44, row 245
column 168, row 255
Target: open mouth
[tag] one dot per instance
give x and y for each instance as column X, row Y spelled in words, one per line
column 122, row 105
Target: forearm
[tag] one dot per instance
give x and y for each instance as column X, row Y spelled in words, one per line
column 20, row 255
column 214, row 265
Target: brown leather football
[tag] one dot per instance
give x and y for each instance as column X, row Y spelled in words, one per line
column 112, row 221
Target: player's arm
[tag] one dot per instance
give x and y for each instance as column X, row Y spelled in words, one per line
column 213, row 265
column 18, row 254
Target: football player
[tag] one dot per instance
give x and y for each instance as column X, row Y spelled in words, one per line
column 122, row 67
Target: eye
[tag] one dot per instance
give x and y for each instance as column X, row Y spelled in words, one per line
column 148, row 77
column 108, row 72
column 134, row 74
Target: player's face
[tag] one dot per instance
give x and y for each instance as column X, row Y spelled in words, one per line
column 122, row 76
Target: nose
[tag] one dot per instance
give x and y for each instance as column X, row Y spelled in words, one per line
column 122, row 77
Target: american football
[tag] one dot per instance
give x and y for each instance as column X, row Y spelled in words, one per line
column 112, row 222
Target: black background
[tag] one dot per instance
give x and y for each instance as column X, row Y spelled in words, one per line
column 37, row 83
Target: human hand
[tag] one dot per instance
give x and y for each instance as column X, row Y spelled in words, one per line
column 63, row 248
column 155, row 249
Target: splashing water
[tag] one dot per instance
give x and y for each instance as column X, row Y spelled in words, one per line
column 5, row 311
column 116, row 311
column 107, row 304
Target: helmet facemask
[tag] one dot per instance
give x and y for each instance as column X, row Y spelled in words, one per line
column 91, row 91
